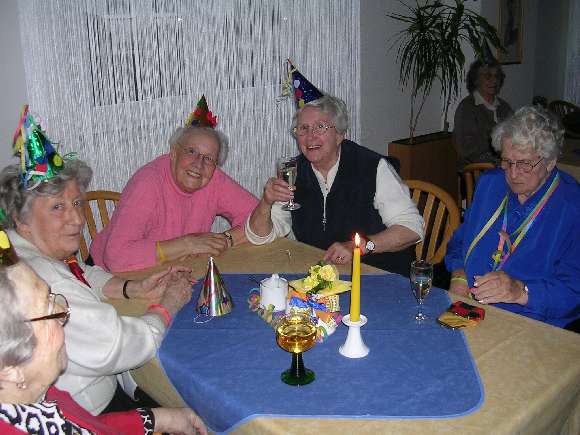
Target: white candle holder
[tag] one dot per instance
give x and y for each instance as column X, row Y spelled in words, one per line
column 354, row 346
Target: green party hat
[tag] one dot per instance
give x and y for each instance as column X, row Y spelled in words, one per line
column 39, row 160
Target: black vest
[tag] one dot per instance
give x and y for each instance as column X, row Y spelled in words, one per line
column 349, row 206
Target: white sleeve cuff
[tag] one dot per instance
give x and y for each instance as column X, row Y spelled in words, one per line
column 281, row 226
column 393, row 201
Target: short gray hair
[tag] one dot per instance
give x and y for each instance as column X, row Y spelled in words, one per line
column 17, row 339
column 183, row 132
column 328, row 104
column 531, row 128
column 17, row 201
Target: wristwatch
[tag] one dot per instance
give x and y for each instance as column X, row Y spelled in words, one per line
column 369, row 247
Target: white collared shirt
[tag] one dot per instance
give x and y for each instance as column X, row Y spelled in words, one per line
column 478, row 99
column 392, row 200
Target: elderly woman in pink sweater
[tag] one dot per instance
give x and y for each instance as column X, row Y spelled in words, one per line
column 167, row 208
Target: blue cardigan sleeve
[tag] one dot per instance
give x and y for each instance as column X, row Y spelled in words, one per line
column 559, row 295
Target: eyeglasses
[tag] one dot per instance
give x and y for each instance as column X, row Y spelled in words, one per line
column 522, row 165
column 316, row 129
column 206, row 159
column 56, row 301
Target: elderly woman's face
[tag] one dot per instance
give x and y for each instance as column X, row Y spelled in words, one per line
column 193, row 160
column 321, row 148
column 488, row 81
column 49, row 358
column 55, row 222
column 524, row 184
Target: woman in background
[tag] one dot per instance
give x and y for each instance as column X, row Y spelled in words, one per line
column 479, row 112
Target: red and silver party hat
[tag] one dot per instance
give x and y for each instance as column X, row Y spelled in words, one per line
column 214, row 299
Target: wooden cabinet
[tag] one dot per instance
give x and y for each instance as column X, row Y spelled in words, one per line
column 431, row 158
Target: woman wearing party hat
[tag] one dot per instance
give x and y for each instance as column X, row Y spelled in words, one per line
column 343, row 188
column 42, row 199
column 167, row 208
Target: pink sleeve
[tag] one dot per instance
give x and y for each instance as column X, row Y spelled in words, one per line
column 128, row 246
column 235, row 202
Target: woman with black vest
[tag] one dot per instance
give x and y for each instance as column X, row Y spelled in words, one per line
column 343, row 188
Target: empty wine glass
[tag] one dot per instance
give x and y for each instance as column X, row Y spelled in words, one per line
column 287, row 170
column 421, row 277
column 296, row 333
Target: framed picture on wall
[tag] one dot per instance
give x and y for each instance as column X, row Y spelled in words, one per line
column 510, row 29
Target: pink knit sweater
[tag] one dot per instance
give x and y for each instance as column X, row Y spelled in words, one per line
column 153, row 208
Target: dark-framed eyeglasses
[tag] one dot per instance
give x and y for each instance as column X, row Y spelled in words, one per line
column 317, row 129
column 56, row 302
column 522, row 165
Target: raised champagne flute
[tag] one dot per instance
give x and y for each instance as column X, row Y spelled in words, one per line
column 287, row 170
column 296, row 333
column 421, row 276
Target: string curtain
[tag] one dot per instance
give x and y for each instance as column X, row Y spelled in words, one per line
column 112, row 79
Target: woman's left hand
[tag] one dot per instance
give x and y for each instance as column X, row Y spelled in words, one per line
column 495, row 287
column 154, row 286
column 339, row 253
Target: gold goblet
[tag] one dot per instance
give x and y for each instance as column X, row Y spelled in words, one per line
column 296, row 333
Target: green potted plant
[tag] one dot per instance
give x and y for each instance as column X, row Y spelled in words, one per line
column 429, row 50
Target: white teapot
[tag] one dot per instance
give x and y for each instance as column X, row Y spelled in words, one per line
column 274, row 290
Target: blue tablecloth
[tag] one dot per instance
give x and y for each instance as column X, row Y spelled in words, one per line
column 228, row 369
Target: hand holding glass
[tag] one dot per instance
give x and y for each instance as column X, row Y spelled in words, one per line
column 287, row 170
column 296, row 333
column 421, row 277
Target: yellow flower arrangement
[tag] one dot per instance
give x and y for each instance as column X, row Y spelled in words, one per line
column 320, row 276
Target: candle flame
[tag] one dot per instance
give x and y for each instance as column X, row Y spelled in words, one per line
column 357, row 240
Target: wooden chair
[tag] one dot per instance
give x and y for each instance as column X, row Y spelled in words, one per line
column 562, row 108
column 470, row 175
column 441, row 216
column 102, row 201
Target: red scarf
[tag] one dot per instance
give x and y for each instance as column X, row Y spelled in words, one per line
column 76, row 270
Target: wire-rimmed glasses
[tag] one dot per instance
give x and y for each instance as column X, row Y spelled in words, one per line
column 317, row 129
column 56, row 303
column 525, row 166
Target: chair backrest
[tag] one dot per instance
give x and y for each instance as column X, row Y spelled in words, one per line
column 103, row 202
column 562, row 108
column 441, row 216
column 470, row 175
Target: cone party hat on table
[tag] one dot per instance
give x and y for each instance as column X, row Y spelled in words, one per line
column 299, row 86
column 214, row 299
